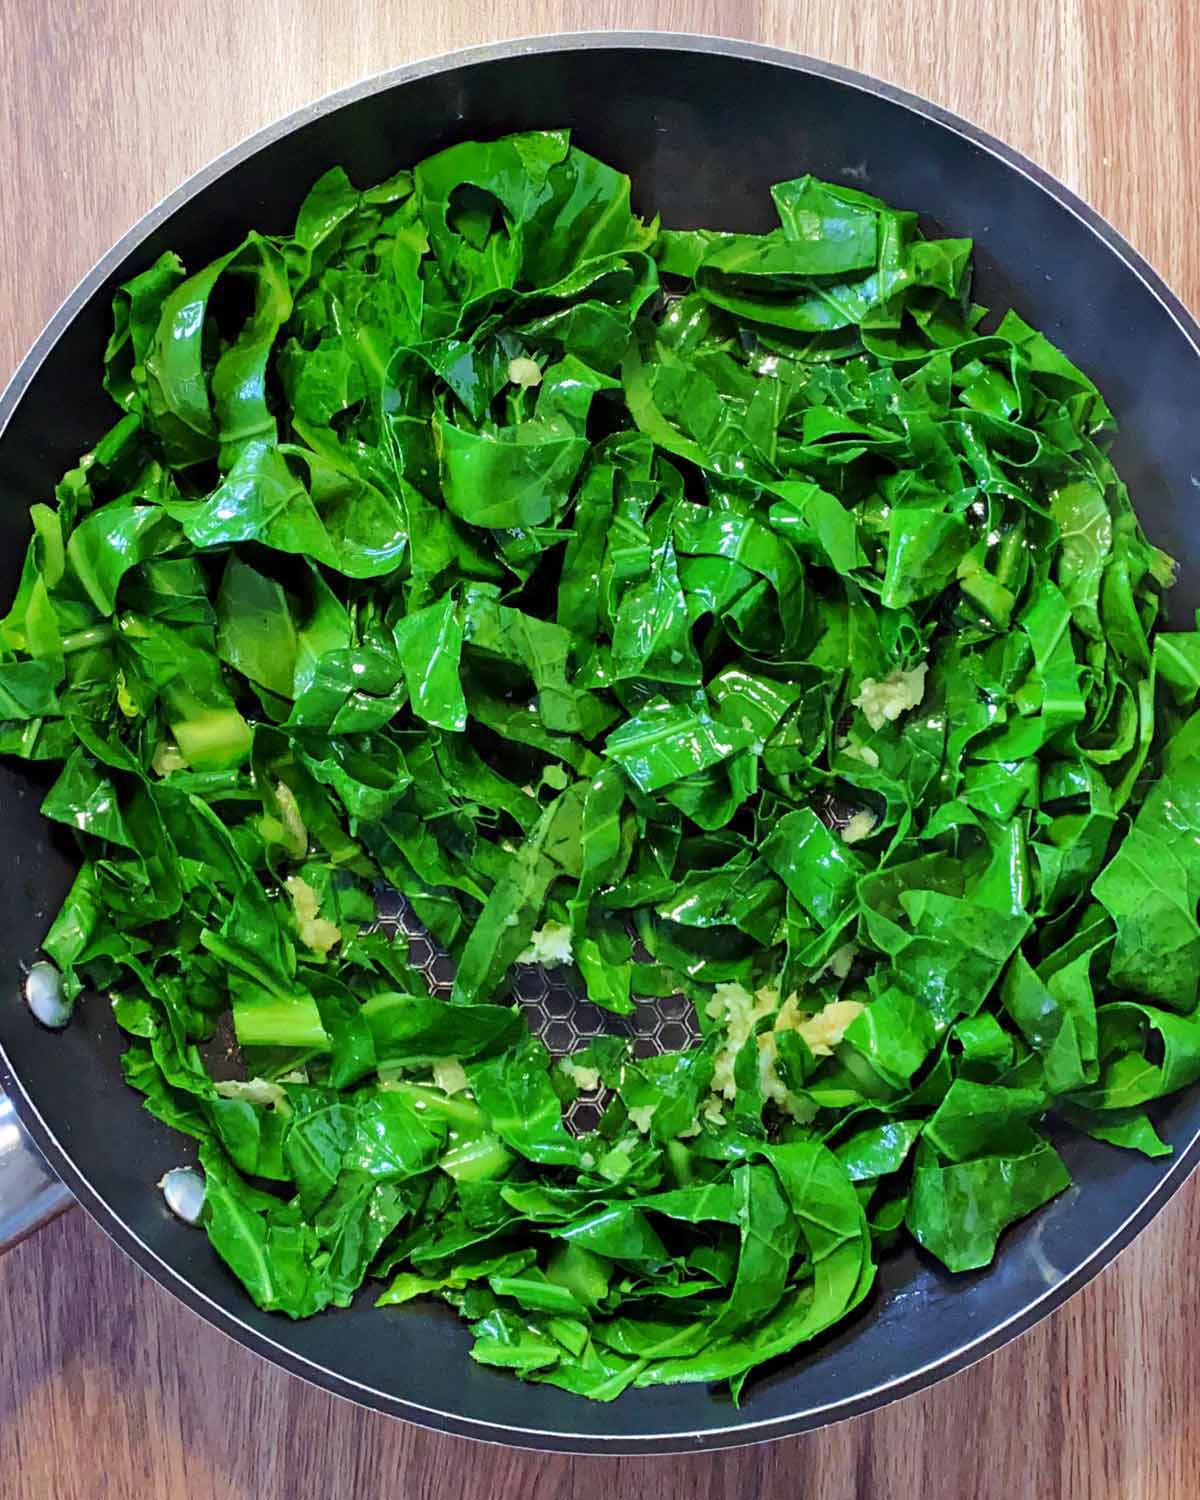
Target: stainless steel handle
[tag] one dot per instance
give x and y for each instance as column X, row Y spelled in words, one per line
column 30, row 1193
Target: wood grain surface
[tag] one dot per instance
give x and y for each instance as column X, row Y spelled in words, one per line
column 108, row 1387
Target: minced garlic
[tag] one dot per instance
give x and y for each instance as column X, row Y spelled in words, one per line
column 524, row 372
column 167, row 758
column 549, row 945
column 449, row 1075
column 256, row 1091
column 295, row 835
column 740, row 1011
column 841, row 960
column 884, row 701
column 317, row 933
column 585, row 1079
column 864, row 753
column 641, row 1115
column 860, row 826
column 823, row 1031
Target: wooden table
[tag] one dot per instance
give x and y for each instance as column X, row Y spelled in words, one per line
column 107, row 1386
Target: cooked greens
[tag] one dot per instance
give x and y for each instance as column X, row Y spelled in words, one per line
column 746, row 617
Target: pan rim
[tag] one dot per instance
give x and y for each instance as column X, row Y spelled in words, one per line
column 736, row 1433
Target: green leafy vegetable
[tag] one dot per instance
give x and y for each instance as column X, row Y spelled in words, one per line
column 714, row 615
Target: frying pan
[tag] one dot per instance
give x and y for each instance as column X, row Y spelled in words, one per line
column 703, row 126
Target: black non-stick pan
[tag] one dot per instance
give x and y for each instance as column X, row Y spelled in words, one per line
column 703, row 127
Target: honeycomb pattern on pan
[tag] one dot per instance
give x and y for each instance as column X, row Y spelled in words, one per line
column 555, row 1009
